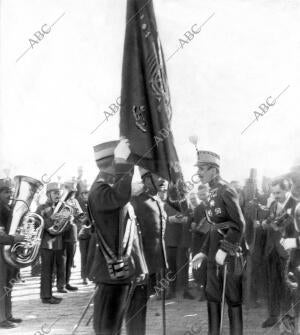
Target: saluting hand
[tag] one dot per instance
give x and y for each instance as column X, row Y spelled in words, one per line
column 137, row 188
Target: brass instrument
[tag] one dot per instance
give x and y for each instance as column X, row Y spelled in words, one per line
column 24, row 222
column 65, row 213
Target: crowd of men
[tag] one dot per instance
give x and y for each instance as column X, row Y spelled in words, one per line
column 131, row 239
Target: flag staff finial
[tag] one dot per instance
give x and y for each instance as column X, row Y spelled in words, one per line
column 194, row 140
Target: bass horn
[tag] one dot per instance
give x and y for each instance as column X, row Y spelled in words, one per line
column 24, row 222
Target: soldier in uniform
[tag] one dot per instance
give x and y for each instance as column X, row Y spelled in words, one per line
column 119, row 266
column 7, row 273
column 221, row 245
column 69, row 236
column 51, row 246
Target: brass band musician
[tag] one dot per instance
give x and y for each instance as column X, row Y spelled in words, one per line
column 51, row 246
column 7, row 273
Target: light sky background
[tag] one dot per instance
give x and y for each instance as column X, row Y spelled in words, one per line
column 56, row 94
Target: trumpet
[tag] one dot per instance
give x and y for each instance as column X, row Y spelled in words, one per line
column 65, row 213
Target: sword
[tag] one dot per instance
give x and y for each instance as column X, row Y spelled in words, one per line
column 223, row 298
column 163, row 303
column 84, row 312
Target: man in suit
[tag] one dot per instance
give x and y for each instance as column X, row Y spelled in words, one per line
column 84, row 235
column 221, row 245
column 7, row 273
column 176, row 255
column 276, row 255
column 152, row 217
column 51, row 246
column 119, row 267
column 292, row 245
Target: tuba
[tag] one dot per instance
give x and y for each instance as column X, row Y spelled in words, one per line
column 65, row 212
column 24, row 222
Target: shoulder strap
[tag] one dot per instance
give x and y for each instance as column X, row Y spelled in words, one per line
column 125, row 238
column 105, row 249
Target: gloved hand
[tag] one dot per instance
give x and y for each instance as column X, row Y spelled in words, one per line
column 141, row 278
column 197, row 260
column 289, row 243
column 220, row 257
column 122, row 150
column 137, row 188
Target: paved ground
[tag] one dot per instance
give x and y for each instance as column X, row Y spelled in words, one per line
column 187, row 317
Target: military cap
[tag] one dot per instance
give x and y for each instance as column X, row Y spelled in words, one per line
column 71, row 185
column 207, row 157
column 5, row 184
column 105, row 150
column 53, row 187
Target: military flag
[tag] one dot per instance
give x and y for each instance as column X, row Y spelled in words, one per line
column 146, row 113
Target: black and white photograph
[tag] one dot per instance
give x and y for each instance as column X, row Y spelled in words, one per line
column 149, row 167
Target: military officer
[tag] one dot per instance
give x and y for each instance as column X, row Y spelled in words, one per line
column 226, row 230
column 7, row 273
column 119, row 264
column 51, row 246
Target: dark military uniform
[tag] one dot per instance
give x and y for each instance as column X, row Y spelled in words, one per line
column 105, row 204
column 69, row 238
column 198, row 238
column 7, row 273
column 172, row 239
column 227, row 224
column 152, row 218
column 51, row 251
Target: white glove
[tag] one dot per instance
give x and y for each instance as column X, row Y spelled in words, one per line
column 289, row 243
column 197, row 260
column 220, row 257
column 122, row 150
column 137, row 188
